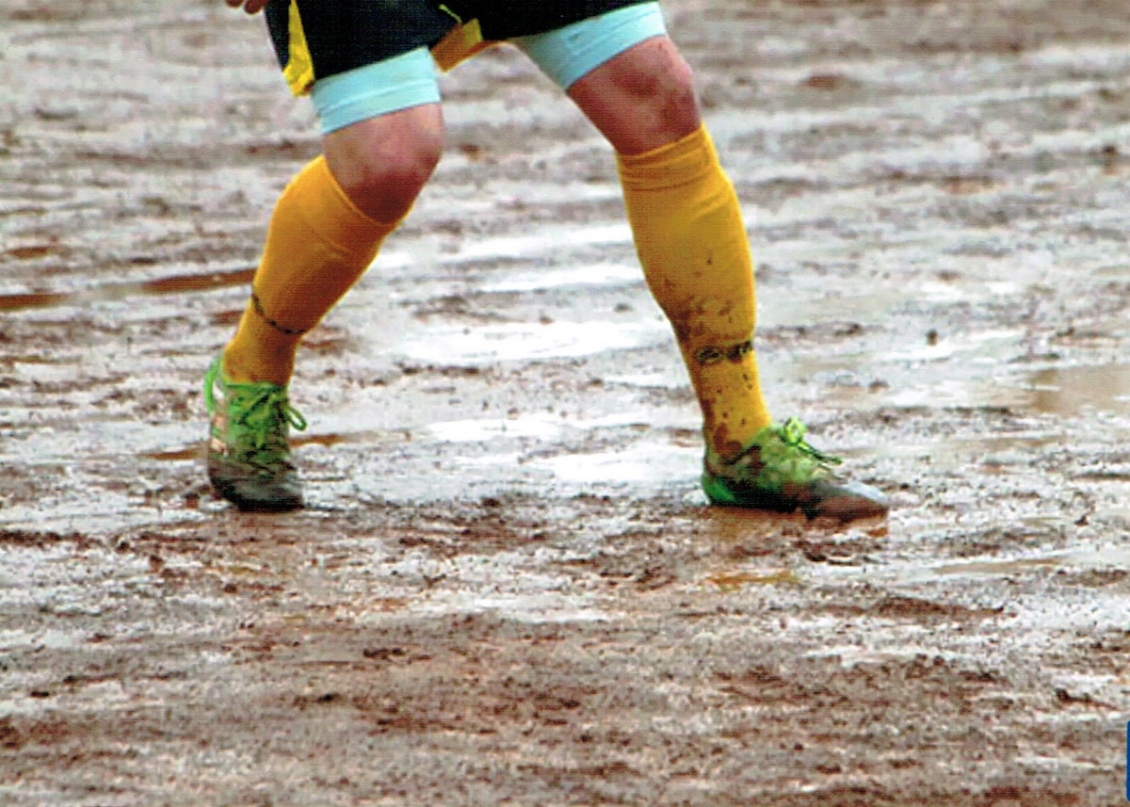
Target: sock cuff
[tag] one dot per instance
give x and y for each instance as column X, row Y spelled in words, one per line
column 326, row 196
column 686, row 160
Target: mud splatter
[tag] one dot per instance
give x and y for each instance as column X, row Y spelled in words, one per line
column 508, row 589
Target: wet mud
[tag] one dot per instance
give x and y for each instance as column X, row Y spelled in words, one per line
column 508, row 589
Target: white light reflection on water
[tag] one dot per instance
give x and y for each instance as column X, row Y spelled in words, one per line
column 529, row 341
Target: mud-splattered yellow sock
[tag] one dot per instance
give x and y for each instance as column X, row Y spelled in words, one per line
column 318, row 245
column 695, row 255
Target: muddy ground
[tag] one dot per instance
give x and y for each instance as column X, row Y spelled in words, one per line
column 508, row 589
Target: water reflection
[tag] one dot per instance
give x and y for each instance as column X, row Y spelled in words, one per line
column 1073, row 390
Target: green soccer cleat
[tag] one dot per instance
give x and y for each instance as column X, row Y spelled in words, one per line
column 780, row 471
column 249, row 450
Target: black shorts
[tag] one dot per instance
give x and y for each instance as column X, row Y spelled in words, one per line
column 340, row 35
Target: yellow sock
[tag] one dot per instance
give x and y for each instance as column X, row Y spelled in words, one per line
column 695, row 255
column 318, row 245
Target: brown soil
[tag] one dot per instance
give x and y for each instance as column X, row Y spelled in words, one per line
column 508, row 589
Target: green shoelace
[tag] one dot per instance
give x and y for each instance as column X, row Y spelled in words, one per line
column 257, row 416
column 786, row 457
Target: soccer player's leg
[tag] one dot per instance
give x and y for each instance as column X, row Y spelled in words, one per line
column 383, row 133
column 326, row 230
column 629, row 79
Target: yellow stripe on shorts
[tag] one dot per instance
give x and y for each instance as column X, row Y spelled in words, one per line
column 464, row 41
column 299, row 70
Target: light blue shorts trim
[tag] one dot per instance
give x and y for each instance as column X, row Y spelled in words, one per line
column 568, row 53
column 376, row 89
column 410, row 80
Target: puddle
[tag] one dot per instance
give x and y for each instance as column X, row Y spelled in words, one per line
column 1000, row 567
column 542, row 427
column 1105, row 557
column 530, row 341
column 985, row 347
column 806, row 303
column 732, row 581
column 50, row 639
column 649, row 463
column 600, row 274
column 175, row 284
column 545, row 426
column 192, row 452
column 1092, row 557
column 331, row 439
column 105, row 519
column 953, row 392
column 549, row 240
column 1063, row 391
column 1075, row 390
column 533, row 607
column 651, row 380
column 195, row 450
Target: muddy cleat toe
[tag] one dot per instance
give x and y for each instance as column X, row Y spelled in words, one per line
column 249, row 447
column 780, row 471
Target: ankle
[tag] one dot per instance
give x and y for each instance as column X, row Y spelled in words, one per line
column 243, row 368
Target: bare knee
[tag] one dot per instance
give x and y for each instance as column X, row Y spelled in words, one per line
column 642, row 99
column 382, row 164
column 384, row 182
column 660, row 87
